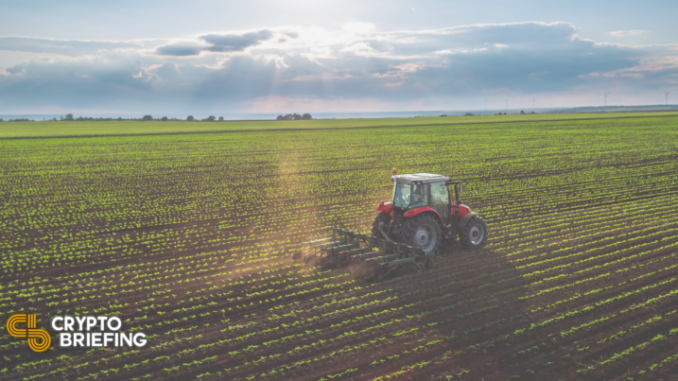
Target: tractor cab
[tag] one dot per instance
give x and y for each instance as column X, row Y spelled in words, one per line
column 426, row 190
column 422, row 190
column 426, row 201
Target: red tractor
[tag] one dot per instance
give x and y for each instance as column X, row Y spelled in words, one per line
column 408, row 230
column 423, row 212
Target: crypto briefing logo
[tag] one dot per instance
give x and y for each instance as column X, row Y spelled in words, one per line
column 75, row 332
column 39, row 340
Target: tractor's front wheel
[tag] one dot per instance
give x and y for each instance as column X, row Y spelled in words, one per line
column 381, row 217
column 422, row 231
column 474, row 235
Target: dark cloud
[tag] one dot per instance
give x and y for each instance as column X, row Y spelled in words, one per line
column 90, row 83
column 179, row 50
column 64, row 47
column 235, row 42
column 220, row 43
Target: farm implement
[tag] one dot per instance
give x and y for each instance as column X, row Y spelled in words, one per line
column 377, row 257
column 408, row 231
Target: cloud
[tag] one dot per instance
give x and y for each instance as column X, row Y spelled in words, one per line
column 179, row 50
column 350, row 67
column 64, row 47
column 625, row 33
column 88, row 83
column 220, row 43
column 234, row 42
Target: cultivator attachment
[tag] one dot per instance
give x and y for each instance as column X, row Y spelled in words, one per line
column 376, row 256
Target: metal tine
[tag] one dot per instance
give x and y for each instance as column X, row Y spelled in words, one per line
column 349, row 233
column 383, row 258
column 360, row 250
column 342, row 247
column 316, row 241
column 328, row 244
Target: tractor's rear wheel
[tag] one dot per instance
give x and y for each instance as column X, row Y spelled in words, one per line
column 422, row 231
column 474, row 235
column 381, row 217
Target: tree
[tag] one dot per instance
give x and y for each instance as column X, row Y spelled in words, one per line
column 68, row 117
column 147, row 117
column 210, row 118
column 522, row 112
column 190, row 118
column 221, row 118
column 2, row 120
column 294, row 116
column 164, row 119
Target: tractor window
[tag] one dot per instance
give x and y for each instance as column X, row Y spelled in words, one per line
column 439, row 194
column 401, row 195
column 419, row 195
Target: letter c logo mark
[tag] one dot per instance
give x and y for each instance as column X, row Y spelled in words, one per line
column 31, row 332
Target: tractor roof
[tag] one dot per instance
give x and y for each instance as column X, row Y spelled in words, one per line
column 424, row 178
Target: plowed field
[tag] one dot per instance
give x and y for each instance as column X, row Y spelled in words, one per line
column 195, row 239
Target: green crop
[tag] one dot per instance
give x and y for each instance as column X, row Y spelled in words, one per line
column 195, row 239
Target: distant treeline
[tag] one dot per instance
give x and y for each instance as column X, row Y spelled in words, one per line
column 522, row 112
column 294, row 117
column 190, row 118
column 17, row 120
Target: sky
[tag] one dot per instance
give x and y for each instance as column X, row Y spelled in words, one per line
column 263, row 56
